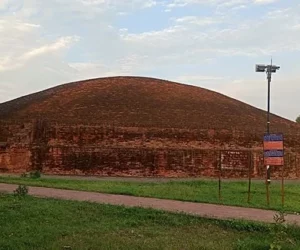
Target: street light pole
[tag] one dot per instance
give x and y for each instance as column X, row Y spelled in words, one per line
column 269, row 77
column 269, row 69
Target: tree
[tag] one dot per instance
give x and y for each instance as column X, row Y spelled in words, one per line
column 298, row 119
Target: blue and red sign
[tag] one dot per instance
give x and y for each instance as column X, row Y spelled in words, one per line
column 273, row 149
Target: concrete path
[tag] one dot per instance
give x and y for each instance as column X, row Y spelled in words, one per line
column 198, row 209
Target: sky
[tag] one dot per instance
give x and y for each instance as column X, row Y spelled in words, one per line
column 213, row 44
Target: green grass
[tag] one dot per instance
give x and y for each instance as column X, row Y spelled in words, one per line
column 32, row 223
column 233, row 193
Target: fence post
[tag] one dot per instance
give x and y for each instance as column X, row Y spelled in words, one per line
column 249, row 174
column 220, row 174
column 282, row 186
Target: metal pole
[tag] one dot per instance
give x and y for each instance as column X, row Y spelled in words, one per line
column 269, row 75
column 269, row 72
column 268, row 69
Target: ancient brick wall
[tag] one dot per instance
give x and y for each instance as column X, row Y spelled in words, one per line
column 15, row 160
column 131, row 162
column 118, row 151
column 15, row 151
column 164, row 162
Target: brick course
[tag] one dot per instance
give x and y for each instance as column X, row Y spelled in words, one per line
column 131, row 151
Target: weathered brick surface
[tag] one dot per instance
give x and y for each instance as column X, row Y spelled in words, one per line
column 137, row 126
column 15, row 160
column 118, row 151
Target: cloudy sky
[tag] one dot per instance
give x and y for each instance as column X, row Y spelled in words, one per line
column 209, row 43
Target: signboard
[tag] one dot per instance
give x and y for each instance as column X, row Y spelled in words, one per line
column 273, row 149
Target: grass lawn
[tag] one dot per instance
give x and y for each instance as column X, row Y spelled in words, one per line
column 33, row 223
column 233, row 193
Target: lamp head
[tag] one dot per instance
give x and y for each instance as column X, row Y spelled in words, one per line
column 260, row 68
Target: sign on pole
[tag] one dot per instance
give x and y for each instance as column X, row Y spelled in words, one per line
column 273, row 150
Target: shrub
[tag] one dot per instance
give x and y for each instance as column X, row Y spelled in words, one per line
column 24, row 175
column 280, row 235
column 35, row 174
column 22, row 190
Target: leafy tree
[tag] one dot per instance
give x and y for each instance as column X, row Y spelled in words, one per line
column 298, row 119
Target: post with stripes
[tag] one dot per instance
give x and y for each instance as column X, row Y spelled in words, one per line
column 274, row 156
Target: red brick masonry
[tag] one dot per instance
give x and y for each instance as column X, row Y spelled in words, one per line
column 144, row 152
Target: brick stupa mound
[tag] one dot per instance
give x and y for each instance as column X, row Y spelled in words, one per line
column 139, row 102
column 135, row 126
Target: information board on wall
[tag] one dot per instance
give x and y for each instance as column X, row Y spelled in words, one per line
column 273, row 150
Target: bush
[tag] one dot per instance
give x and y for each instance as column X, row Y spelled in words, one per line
column 250, row 243
column 22, row 190
column 24, row 175
column 280, row 232
column 35, row 174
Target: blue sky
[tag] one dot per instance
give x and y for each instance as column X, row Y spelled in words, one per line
column 212, row 44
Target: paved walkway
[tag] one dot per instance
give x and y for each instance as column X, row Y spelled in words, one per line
column 198, row 209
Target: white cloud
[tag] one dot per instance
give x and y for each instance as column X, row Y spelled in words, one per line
column 219, row 3
column 122, row 66
column 4, row 4
column 197, row 20
column 183, row 3
column 86, row 70
column 153, row 37
column 118, row 4
column 16, row 25
column 279, row 13
column 295, row 27
column 199, row 80
column 234, row 38
column 61, row 43
column 149, row 3
column 264, row 1
column 11, row 62
column 40, row 46
column 8, row 4
column 232, row 3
